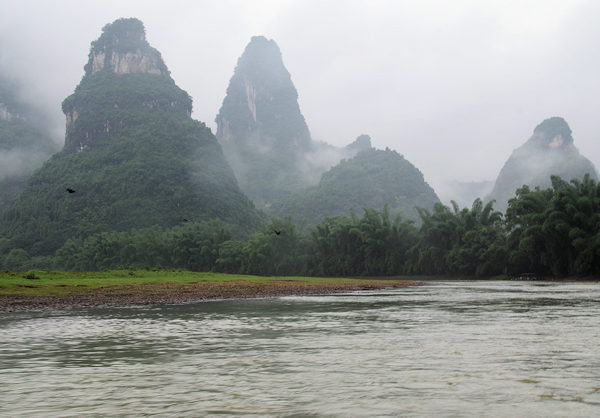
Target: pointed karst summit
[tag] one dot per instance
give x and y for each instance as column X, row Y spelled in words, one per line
column 259, row 125
column 123, row 49
column 120, row 58
column 550, row 151
column 262, row 131
column 132, row 154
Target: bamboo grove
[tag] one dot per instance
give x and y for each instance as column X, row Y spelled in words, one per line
column 552, row 232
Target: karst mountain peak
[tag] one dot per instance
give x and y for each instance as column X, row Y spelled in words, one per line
column 261, row 106
column 123, row 73
column 133, row 156
column 550, row 151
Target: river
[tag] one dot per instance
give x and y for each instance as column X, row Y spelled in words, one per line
column 460, row 348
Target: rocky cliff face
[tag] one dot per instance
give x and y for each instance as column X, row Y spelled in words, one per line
column 120, row 58
column 261, row 107
column 7, row 115
column 263, row 134
column 133, row 156
column 122, row 49
column 549, row 151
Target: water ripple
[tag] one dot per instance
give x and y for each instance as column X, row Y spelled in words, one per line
column 448, row 348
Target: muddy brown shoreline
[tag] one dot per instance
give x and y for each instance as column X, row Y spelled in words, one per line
column 171, row 293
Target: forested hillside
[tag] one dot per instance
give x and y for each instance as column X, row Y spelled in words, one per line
column 372, row 179
column 552, row 233
column 133, row 157
column 139, row 183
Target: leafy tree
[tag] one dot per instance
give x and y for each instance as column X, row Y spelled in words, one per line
column 469, row 242
column 372, row 245
column 336, row 244
column 277, row 249
column 17, row 259
column 196, row 247
column 555, row 231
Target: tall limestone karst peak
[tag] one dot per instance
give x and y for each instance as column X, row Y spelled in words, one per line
column 550, row 151
column 123, row 73
column 134, row 159
column 263, row 133
column 122, row 48
column 262, row 100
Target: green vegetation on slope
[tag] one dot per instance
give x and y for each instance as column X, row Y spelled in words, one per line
column 134, row 158
column 372, row 179
column 548, row 232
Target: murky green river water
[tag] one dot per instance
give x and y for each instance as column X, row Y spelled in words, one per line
column 477, row 349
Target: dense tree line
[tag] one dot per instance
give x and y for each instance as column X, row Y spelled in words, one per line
column 554, row 231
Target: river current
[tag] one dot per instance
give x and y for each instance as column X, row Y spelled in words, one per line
column 460, row 348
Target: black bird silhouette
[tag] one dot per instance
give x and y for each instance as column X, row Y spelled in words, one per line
column 70, row 190
column 277, row 232
column 185, row 220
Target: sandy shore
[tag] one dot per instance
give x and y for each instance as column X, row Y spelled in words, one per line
column 151, row 294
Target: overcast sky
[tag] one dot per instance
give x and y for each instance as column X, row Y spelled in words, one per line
column 454, row 86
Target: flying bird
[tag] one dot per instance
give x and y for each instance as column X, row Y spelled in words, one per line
column 185, row 220
column 277, row 232
column 70, row 190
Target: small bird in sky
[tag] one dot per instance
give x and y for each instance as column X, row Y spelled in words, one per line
column 70, row 190
column 185, row 220
column 277, row 232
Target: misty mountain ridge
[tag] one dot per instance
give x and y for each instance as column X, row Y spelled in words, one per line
column 25, row 142
column 549, row 151
column 263, row 132
column 133, row 156
column 371, row 179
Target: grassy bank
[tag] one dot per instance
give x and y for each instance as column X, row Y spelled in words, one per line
column 130, row 287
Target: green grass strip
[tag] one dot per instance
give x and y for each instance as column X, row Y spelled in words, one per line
column 59, row 283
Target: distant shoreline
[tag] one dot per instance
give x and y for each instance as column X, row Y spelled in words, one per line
column 174, row 293
column 75, row 289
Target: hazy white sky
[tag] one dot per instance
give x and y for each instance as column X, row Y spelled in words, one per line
column 455, row 85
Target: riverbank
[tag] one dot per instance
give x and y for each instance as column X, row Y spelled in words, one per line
column 39, row 290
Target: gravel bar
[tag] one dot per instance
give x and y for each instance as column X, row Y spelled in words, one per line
column 173, row 293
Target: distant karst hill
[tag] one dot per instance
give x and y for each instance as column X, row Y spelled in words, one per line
column 372, row 179
column 263, row 133
column 549, row 151
column 24, row 141
column 132, row 157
